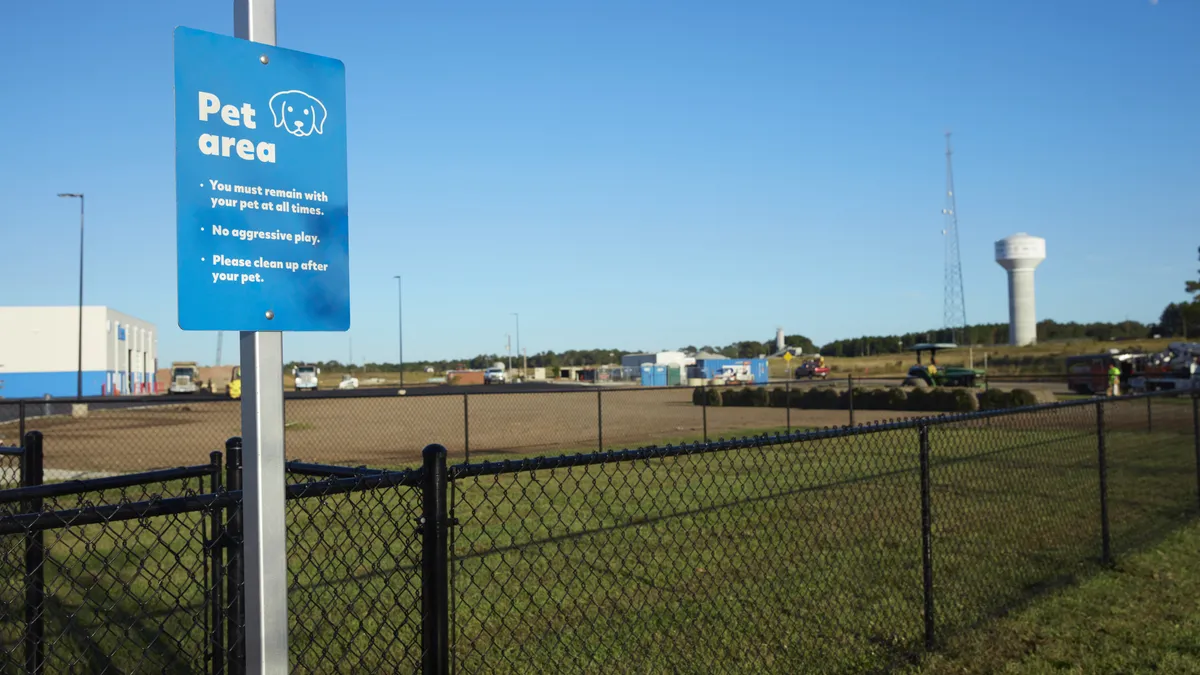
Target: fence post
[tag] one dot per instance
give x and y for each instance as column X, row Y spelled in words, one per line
column 1196, row 437
column 927, row 537
column 35, row 560
column 1105, row 538
column 704, row 410
column 21, row 423
column 850, row 397
column 1149, row 415
column 215, row 552
column 435, row 561
column 235, row 622
column 600, row 420
column 787, row 402
column 466, row 429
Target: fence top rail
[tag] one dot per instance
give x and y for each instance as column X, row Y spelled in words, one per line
column 355, row 483
column 111, row 513
column 11, row 451
column 72, row 487
column 491, row 468
column 330, row 470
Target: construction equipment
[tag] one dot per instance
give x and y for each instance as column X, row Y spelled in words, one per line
column 1176, row 367
column 234, row 388
column 933, row 375
column 1088, row 373
column 185, row 376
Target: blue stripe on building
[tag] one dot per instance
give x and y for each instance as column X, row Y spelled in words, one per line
column 58, row 385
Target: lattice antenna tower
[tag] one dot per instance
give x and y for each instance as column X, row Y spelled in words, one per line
column 954, row 305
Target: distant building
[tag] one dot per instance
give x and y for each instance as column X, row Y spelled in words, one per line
column 657, row 359
column 39, row 352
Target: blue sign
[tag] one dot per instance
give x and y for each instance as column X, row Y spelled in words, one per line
column 260, row 171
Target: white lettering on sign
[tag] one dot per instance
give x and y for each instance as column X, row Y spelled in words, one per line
column 234, row 116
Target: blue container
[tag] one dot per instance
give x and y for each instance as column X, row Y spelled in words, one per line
column 710, row 368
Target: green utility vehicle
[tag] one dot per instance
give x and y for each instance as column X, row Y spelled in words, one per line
column 935, row 376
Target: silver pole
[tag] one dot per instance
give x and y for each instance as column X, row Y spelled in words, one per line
column 79, row 372
column 400, row 324
column 265, row 543
column 518, row 337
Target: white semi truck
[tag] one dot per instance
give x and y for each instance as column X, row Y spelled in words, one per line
column 306, row 377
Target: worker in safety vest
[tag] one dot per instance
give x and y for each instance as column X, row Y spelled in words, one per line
column 1114, row 380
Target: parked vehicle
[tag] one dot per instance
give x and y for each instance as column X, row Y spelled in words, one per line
column 185, row 378
column 348, row 382
column 306, row 377
column 812, row 368
column 1178, row 367
column 933, row 375
column 737, row 373
column 494, row 376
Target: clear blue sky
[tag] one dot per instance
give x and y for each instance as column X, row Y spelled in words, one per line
column 661, row 174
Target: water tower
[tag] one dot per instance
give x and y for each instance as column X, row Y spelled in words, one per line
column 1020, row 254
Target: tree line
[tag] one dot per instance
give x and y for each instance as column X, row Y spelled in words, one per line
column 1178, row 320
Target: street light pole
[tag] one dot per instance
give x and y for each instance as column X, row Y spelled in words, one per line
column 400, row 324
column 79, row 371
column 519, row 337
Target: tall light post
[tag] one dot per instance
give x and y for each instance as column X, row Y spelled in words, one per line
column 518, row 316
column 400, row 313
column 79, row 371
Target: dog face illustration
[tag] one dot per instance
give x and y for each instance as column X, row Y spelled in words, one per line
column 298, row 113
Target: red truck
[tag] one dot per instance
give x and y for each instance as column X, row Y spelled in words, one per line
column 812, row 368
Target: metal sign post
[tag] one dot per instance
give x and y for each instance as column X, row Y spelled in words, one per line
column 264, row 498
column 262, row 233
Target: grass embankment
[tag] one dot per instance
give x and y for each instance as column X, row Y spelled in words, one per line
column 1140, row 617
column 796, row 558
column 1046, row 358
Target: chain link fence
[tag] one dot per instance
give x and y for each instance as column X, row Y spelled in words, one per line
column 850, row 549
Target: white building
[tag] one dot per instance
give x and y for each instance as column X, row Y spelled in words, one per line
column 659, row 359
column 39, row 352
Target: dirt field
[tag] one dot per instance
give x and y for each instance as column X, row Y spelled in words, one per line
column 392, row 431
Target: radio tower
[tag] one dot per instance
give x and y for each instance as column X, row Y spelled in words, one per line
column 955, row 305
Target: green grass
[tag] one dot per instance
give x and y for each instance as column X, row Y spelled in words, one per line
column 787, row 559
column 1139, row 617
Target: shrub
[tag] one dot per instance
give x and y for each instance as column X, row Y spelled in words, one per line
column 821, row 398
column 920, row 400
column 965, row 401
column 796, row 398
column 699, row 394
column 994, row 399
column 731, row 397
column 778, row 398
column 756, row 397
column 871, row 399
column 1020, row 398
column 896, row 399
